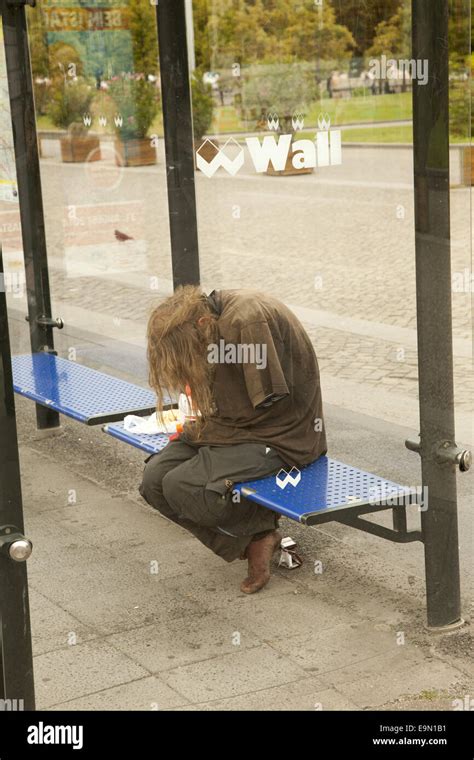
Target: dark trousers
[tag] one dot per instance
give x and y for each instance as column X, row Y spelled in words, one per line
column 193, row 486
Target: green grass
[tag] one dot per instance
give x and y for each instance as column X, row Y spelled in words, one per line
column 44, row 122
column 399, row 134
column 373, row 134
column 369, row 110
column 429, row 695
column 363, row 110
column 360, row 110
column 357, row 110
column 226, row 120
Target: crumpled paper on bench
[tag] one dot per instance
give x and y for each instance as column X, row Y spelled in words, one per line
column 148, row 425
column 152, row 426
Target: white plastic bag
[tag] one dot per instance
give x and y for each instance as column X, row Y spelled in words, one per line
column 147, row 425
column 152, row 426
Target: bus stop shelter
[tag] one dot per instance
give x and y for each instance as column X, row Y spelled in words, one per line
column 440, row 456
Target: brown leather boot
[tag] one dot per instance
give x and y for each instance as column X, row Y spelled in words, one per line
column 259, row 554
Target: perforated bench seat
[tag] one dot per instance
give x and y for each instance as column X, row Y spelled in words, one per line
column 78, row 391
column 151, row 444
column 328, row 489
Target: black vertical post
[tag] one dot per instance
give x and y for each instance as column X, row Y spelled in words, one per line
column 16, row 666
column 434, row 319
column 179, row 144
column 20, row 87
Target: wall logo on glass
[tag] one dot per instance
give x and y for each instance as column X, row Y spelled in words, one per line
column 325, row 149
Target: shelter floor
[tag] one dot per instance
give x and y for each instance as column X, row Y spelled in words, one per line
column 130, row 612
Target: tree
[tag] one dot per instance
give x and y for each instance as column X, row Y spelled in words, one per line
column 39, row 57
column 68, row 103
column 393, row 38
column 461, row 27
column 109, row 54
column 278, row 88
column 64, row 60
column 312, row 33
column 203, row 105
column 201, row 34
column 267, row 31
column 362, row 17
column 461, row 63
column 142, row 25
column 136, row 101
column 38, row 42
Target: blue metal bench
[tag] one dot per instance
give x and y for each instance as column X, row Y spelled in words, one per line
column 327, row 491
column 151, row 444
column 78, row 391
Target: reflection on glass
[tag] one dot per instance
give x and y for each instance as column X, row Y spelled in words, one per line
column 98, row 108
column 330, row 228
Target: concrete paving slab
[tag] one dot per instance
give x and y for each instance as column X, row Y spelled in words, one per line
column 273, row 616
column 217, row 589
column 241, row 672
column 321, row 651
column 52, row 627
column 372, row 693
column 108, row 594
column 308, row 694
column 79, row 670
column 457, row 649
column 148, row 693
column 390, row 676
column 174, row 643
column 385, row 591
column 60, row 489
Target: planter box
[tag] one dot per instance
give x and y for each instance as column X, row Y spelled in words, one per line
column 80, row 149
column 289, row 168
column 468, row 166
column 136, row 152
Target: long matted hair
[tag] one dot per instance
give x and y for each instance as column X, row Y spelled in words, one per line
column 178, row 349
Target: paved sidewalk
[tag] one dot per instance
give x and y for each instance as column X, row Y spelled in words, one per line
column 336, row 245
column 110, row 631
column 130, row 612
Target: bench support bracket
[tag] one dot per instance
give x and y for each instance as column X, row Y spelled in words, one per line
column 397, row 536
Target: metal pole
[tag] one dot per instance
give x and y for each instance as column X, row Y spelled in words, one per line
column 16, row 663
column 179, row 144
column 190, row 35
column 439, row 454
column 20, row 87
